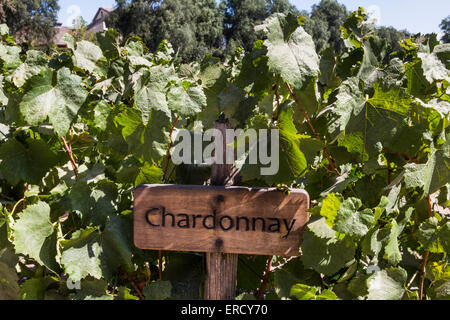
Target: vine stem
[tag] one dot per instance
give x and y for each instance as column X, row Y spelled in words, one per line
column 425, row 258
column 277, row 96
column 135, row 287
column 265, row 279
column 68, row 148
column 166, row 165
column 168, row 148
column 17, row 203
column 160, row 264
column 389, row 172
column 422, row 274
column 308, row 120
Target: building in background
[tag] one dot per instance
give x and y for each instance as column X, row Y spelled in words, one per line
column 60, row 32
column 97, row 25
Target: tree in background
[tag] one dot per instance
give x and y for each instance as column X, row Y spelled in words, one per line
column 79, row 31
column 241, row 17
column 193, row 27
column 30, row 20
column 445, row 27
column 324, row 24
column 392, row 36
column 135, row 17
column 5, row 7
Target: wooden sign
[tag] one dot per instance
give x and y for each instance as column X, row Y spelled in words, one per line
column 219, row 219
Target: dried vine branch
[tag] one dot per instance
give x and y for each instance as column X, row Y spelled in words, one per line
column 425, row 257
column 166, row 165
column 168, row 149
column 265, row 279
column 160, row 264
column 135, row 287
column 68, row 148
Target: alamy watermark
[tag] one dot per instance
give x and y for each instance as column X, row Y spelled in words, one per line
column 241, row 146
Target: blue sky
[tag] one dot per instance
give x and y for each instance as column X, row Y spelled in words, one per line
column 413, row 15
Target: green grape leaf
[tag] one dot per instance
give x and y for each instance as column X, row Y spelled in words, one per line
column 4, row 29
column 330, row 207
column 89, row 57
column 291, row 53
column 10, row 58
column 371, row 244
column 374, row 120
column 54, row 95
column 430, row 176
column 29, row 162
column 354, row 143
column 340, row 183
column 387, row 284
column 81, row 254
column 433, row 237
column 229, row 100
column 158, row 290
column 433, row 68
column 117, row 245
column 34, row 64
column 214, row 80
column 148, row 174
column 323, row 251
column 9, row 287
column 34, row 288
column 350, row 221
column 418, row 85
column 103, row 202
column 349, row 101
column 292, row 161
column 150, row 90
column 251, row 269
column 186, row 102
column 97, row 254
column 440, row 291
column 109, row 42
column 352, row 28
column 245, row 296
column 102, row 110
column 254, row 75
column 391, row 250
column 125, row 294
column 186, row 275
column 303, row 292
column 147, row 142
column 370, row 189
column 291, row 273
column 3, row 93
column 327, row 295
column 35, row 235
column 94, row 205
column 69, row 40
column 93, row 290
column 374, row 51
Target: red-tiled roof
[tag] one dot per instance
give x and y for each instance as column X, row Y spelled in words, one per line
column 60, row 32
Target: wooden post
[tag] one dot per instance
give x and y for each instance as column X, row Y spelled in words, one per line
column 221, row 268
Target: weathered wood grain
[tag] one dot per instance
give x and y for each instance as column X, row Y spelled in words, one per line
column 221, row 268
column 219, row 219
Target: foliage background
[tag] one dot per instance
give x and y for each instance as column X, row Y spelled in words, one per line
column 364, row 131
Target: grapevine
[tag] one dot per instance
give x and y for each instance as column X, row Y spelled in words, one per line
column 365, row 132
